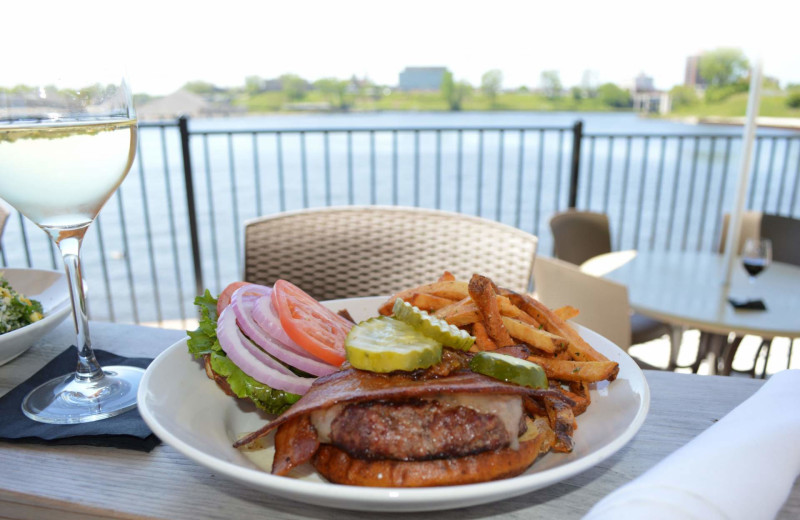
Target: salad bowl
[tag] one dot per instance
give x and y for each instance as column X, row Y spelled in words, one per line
column 51, row 290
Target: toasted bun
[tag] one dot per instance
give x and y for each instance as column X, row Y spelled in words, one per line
column 339, row 467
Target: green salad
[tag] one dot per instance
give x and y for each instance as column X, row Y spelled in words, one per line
column 16, row 310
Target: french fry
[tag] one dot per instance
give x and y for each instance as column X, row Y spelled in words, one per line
column 512, row 311
column 562, row 421
column 581, row 389
column 465, row 311
column 581, row 402
column 482, row 292
column 578, row 348
column 581, row 371
column 452, row 290
column 447, row 276
column 566, row 312
column 533, row 336
column 428, row 302
column 482, row 339
column 461, row 313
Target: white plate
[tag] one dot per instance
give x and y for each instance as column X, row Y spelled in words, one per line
column 50, row 288
column 190, row 413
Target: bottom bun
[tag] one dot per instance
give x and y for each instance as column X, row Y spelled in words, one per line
column 339, row 467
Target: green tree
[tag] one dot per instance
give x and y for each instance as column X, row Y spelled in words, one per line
column 335, row 91
column 551, row 84
column 613, row 96
column 681, row 96
column 200, row 87
column 253, row 85
column 723, row 66
column 491, row 83
column 454, row 92
column 294, row 87
column 793, row 97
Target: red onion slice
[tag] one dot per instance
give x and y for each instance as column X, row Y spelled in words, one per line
column 243, row 310
column 265, row 316
column 260, row 367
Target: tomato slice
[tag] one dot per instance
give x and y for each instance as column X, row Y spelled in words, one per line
column 318, row 330
column 224, row 298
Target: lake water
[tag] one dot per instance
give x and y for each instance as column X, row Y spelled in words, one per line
column 141, row 240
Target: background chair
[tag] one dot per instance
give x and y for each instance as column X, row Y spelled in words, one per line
column 5, row 212
column 784, row 232
column 581, row 235
column 341, row 252
column 603, row 304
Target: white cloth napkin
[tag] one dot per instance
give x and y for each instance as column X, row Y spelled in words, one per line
column 744, row 466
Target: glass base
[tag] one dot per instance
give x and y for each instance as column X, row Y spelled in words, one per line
column 65, row 400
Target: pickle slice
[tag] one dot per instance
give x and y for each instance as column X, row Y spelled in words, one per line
column 433, row 327
column 509, row 369
column 384, row 344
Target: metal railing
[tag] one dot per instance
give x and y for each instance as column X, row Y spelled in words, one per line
column 175, row 227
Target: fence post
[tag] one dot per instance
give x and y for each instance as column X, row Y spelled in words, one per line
column 575, row 167
column 183, row 125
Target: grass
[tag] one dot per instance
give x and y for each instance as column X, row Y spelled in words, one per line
column 772, row 105
column 432, row 102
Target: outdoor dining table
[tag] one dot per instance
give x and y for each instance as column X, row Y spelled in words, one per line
column 44, row 481
column 686, row 289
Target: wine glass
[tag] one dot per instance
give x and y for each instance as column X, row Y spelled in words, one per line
column 67, row 141
column 756, row 256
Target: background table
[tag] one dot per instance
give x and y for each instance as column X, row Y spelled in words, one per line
column 686, row 289
column 88, row 482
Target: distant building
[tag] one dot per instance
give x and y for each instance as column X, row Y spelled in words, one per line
column 182, row 103
column 648, row 99
column 692, row 77
column 643, row 83
column 421, row 78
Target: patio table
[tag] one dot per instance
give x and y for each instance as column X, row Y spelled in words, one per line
column 686, row 288
column 39, row 481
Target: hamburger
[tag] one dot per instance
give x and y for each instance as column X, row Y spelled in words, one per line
column 444, row 425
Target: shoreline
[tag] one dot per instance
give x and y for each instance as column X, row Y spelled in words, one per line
column 782, row 123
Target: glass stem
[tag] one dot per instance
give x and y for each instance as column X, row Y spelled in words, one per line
column 88, row 368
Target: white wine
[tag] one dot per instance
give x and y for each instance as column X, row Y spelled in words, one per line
column 60, row 175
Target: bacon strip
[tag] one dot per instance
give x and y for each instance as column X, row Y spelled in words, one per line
column 295, row 444
column 351, row 385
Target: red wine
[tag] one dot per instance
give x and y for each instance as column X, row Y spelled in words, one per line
column 753, row 266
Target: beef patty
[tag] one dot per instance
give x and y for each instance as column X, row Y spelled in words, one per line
column 418, row 430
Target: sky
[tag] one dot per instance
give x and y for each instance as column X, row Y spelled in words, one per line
column 166, row 43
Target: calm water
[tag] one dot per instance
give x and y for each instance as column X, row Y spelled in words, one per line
column 149, row 248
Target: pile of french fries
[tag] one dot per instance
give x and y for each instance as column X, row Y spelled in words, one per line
column 500, row 318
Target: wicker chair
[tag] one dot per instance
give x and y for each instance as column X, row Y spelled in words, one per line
column 342, row 252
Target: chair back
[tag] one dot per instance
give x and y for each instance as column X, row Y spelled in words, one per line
column 751, row 228
column 4, row 214
column 784, row 232
column 342, row 252
column 603, row 304
column 580, row 235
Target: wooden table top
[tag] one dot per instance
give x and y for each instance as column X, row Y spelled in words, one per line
column 38, row 481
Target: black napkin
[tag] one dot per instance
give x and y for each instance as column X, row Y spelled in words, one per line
column 127, row 430
column 750, row 305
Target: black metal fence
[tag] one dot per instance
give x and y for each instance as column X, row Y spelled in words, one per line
column 176, row 225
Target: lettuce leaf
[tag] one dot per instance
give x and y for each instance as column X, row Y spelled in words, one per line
column 268, row 399
column 203, row 340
